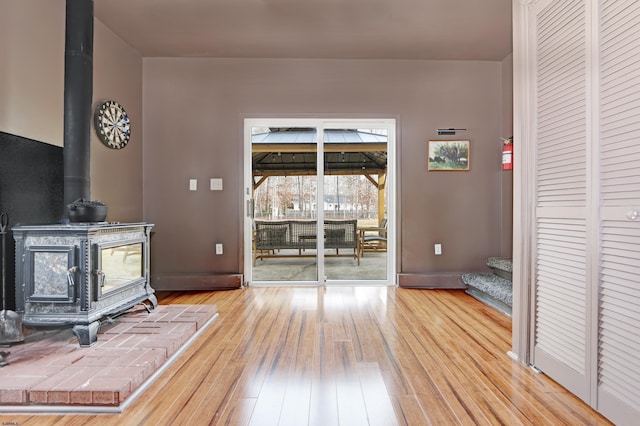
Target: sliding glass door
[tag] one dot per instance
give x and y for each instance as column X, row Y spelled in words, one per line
column 318, row 201
column 355, row 168
column 283, row 194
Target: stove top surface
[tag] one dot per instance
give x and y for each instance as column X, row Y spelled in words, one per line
column 79, row 225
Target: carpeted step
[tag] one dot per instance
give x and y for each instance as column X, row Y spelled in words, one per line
column 491, row 289
column 501, row 266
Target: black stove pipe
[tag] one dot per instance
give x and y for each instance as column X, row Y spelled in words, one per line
column 78, row 92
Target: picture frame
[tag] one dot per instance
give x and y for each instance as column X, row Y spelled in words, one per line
column 448, row 155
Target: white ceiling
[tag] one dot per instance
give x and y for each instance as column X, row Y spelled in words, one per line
column 339, row 29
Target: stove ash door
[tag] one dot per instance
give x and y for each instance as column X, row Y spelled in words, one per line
column 50, row 274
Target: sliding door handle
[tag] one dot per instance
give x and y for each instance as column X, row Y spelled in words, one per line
column 250, row 208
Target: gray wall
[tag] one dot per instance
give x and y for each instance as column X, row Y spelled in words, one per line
column 193, row 129
column 507, row 176
column 116, row 175
column 32, row 69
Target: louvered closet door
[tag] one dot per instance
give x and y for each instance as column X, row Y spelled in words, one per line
column 561, row 216
column 619, row 331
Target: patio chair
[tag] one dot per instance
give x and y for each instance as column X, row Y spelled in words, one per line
column 375, row 241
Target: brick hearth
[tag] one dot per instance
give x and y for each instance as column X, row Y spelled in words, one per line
column 51, row 369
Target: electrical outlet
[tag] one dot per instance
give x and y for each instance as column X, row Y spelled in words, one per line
column 437, row 248
column 219, row 248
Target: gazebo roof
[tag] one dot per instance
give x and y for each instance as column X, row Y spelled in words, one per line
column 292, row 152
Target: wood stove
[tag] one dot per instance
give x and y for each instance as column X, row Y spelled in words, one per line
column 79, row 273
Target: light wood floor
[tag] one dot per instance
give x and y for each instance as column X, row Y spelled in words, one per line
column 345, row 356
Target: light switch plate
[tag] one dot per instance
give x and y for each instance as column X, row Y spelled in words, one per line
column 193, row 184
column 215, row 184
column 437, row 248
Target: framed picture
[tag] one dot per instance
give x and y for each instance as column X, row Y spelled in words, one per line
column 448, row 156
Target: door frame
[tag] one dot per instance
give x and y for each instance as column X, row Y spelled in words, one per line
column 321, row 124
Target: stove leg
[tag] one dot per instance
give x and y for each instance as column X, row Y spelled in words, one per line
column 87, row 334
column 153, row 300
column 2, row 359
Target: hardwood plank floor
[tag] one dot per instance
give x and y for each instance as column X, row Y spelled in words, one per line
column 344, row 356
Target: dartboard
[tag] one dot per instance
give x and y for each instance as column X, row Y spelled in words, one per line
column 112, row 124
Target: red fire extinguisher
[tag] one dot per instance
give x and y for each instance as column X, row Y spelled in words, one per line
column 507, row 154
